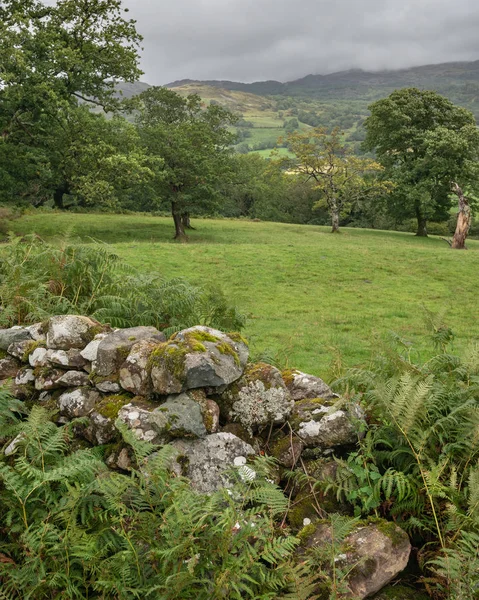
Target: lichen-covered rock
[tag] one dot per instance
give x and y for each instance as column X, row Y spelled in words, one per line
column 25, row 376
column 321, row 424
column 108, row 387
column 9, row 367
column 301, row 385
column 12, row 335
column 372, row 554
column 206, row 461
column 79, row 402
column 70, row 359
column 39, row 357
column 287, row 450
column 71, row 331
column 199, row 357
column 259, row 398
column 89, row 353
column 101, row 430
column 179, row 416
column 21, row 349
column 48, row 379
column 115, row 347
column 73, row 379
column 37, row 332
column 135, row 371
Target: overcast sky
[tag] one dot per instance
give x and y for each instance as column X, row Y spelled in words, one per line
column 252, row 40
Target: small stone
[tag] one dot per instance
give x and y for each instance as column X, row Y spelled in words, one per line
column 101, row 430
column 67, row 358
column 89, row 353
column 48, row 380
column 9, row 367
column 39, row 358
column 74, row 379
column 108, row 387
column 25, row 376
column 78, row 403
column 18, row 349
column 135, row 371
column 36, row 332
column 12, row 446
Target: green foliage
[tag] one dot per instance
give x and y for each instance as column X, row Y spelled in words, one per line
column 38, row 280
column 71, row 529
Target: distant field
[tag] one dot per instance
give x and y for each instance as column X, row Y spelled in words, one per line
column 309, row 294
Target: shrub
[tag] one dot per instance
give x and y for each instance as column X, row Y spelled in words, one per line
column 38, row 280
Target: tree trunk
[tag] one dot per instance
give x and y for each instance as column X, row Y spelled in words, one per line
column 421, row 222
column 335, row 220
column 179, row 227
column 463, row 219
column 185, row 219
column 58, row 194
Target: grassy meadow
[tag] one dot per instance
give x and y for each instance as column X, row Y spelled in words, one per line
column 309, row 295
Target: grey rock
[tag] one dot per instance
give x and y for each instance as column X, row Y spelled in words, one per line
column 70, row 331
column 115, row 347
column 120, row 459
column 36, row 331
column 206, row 461
column 70, row 359
column 258, row 398
column 325, row 425
column 78, row 403
column 39, row 357
column 101, row 430
column 301, row 386
column 74, row 379
column 179, row 416
column 14, row 334
column 198, row 357
column 13, row 445
column 135, row 371
column 89, row 353
column 372, row 554
column 108, row 387
column 20, row 348
column 49, row 380
column 25, row 376
column 9, row 367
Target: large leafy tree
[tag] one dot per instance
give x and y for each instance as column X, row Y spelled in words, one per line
column 195, row 144
column 340, row 178
column 56, row 59
column 425, row 143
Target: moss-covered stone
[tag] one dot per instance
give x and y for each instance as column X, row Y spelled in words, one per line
column 110, row 406
column 238, row 338
column 3, row 354
column 225, row 348
column 288, row 376
column 31, row 347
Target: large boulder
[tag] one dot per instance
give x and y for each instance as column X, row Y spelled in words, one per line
column 301, row 385
column 71, row 331
column 135, row 374
column 259, row 398
column 322, row 424
column 206, row 461
column 14, row 334
column 372, row 555
column 199, row 357
column 179, row 416
column 115, row 347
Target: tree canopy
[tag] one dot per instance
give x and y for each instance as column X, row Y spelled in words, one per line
column 425, row 143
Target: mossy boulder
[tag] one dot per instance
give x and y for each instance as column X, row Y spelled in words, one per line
column 199, row 357
column 71, row 331
column 301, row 385
column 372, row 555
column 114, row 348
column 258, row 398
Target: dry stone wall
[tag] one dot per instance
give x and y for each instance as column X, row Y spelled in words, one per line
column 199, row 392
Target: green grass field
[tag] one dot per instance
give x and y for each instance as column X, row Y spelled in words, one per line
column 308, row 294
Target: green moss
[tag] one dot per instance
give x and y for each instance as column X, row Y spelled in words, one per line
column 89, row 335
column 95, row 378
column 237, row 337
column 306, row 532
column 225, row 348
column 280, row 447
column 110, row 406
column 171, row 355
column 208, row 421
column 31, row 347
column 3, row 354
column 201, row 336
column 123, row 351
column 184, row 463
column 42, row 371
column 288, row 376
column 391, row 530
column 400, row 592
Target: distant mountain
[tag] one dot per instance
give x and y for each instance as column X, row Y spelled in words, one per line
column 458, row 81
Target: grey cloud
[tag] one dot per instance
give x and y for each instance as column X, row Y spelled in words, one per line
column 250, row 40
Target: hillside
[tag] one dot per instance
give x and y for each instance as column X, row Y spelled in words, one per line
column 334, row 100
